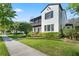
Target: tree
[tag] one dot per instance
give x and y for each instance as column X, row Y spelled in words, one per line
column 6, row 15
column 26, row 27
column 74, row 8
column 73, row 33
column 16, row 26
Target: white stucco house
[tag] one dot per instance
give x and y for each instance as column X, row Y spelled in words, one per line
column 52, row 18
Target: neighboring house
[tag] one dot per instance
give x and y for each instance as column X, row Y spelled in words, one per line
column 52, row 19
column 72, row 23
column 68, row 26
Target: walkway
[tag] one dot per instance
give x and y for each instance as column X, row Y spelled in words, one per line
column 16, row 48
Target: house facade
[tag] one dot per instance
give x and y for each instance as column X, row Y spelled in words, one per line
column 52, row 19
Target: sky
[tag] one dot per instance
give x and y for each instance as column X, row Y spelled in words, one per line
column 26, row 11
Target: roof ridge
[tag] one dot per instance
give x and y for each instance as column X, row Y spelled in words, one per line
column 52, row 4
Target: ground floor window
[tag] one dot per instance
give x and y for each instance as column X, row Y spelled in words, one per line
column 52, row 27
column 49, row 27
column 45, row 28
column 36, row 29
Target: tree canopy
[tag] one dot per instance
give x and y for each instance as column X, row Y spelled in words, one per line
column 74, row 7
column 6, row 15
column 24, row 26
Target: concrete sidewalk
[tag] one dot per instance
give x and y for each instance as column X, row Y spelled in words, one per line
column 16, row 48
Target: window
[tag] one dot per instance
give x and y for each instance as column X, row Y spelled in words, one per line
column 34, row 29
column 38, row 30
column 45, row 28
column 49, row 27
column 52, row 27
column 49, row 15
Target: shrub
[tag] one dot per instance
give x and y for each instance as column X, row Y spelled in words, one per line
column 29, row 34
column 32, row 34
column 50, row 35
column 71, row 34
column 77, row 36
column 68, row 33
column 46, row 35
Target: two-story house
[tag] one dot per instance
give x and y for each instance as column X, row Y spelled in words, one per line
column 52, row 19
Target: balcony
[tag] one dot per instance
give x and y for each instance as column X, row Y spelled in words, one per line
column 36, row 24
column 36, row 21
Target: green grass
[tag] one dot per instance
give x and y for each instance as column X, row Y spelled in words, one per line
column 52, row 47
column 15, row 36
column 3, row 49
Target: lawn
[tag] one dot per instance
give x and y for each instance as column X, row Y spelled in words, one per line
column 3, row 49
column 15, row 36
column 53, row 47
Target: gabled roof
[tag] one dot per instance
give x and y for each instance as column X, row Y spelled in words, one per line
column 53, row 4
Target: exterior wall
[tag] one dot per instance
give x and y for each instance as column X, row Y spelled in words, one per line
column 54, row 20
column 59, row 19
column 36, row 24
column 62, row 19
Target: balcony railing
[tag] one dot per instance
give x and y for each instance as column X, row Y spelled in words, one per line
column 36, row 24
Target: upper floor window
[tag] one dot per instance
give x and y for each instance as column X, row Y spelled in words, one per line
column 49, row 15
